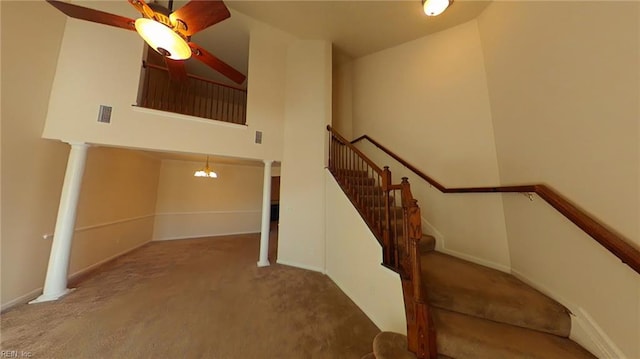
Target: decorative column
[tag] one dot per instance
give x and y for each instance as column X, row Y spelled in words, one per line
column 55, row 284
column 266, row 215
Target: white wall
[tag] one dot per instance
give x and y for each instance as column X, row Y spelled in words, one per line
column 353, row 263
column 307, row 112
column 564, row 94
column 32, row 168
column 116, row 206
column 101, row 65
column 342, row 96
column 427, row 100
column 190, row 207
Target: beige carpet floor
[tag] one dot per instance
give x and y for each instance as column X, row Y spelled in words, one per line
column 200, row 298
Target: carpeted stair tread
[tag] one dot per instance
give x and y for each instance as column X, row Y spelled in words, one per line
column 394, row 212
column 389, row 345
column 353, row 173
column 373, row 190
column 468, row 288
column 361, row 180
column 461, row 336
column 374, row 199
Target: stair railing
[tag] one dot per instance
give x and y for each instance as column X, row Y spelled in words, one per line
column 194, row 96
column 613, row 242
column 377, row 199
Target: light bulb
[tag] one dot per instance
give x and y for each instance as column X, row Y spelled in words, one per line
column 435, row 7
column 162, row 39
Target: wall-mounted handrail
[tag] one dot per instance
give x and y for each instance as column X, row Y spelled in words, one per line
column 615, row 243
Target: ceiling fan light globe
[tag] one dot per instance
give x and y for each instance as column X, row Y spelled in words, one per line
column 163, row 39
column 435, row 7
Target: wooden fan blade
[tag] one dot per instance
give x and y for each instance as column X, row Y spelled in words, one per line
column 200, row 14
column 143, row 8
column 217, row 64
column 92, row 15
column 177, row 70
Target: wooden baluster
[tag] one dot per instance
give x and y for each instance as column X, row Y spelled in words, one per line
column 378, row 204
column 338, row 160
column 231, row 106
column 370, row 199
column 359, row 180
column 244, row 108
column 203, row 99
column 330, row 160
column 354, row 184
column 154, row 91
column 227, row 107
column 165, row 96
column 145, row 90
column 386, row 234
column 210, row 100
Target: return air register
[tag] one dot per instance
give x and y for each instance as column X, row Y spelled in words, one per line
column 258, row 137
column 104, row 115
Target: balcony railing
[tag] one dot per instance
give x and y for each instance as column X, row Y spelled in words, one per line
column 194, row 96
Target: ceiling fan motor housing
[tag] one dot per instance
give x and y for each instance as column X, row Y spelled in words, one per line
column 162, row 15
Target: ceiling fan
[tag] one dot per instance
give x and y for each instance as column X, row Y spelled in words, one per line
column 169, row 33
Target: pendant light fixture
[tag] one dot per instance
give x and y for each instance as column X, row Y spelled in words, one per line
column 435, row 7
column 163, row 39
column 205, row 171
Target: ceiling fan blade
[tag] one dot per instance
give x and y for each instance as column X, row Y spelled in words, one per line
column 217, row 64
column 200, row 14
column 177, row 70
column 100, row 17
column 143, row 8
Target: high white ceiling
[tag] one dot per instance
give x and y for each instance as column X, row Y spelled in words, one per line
column 361, row 27
column 355, row 27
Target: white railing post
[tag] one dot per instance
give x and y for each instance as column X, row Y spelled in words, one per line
column 55, row 284
column 266, row 215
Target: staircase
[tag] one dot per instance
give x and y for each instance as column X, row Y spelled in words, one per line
column 454, row 308
column 483, row 313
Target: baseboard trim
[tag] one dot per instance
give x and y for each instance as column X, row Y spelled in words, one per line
column 103, row 261
column 301, row 266
column 21, row 299
column 36, row 292
column 603, row 346
column 608, row 349
column 441, row 246
column 203, row 236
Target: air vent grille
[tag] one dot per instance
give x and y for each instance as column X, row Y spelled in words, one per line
column 104, row 115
